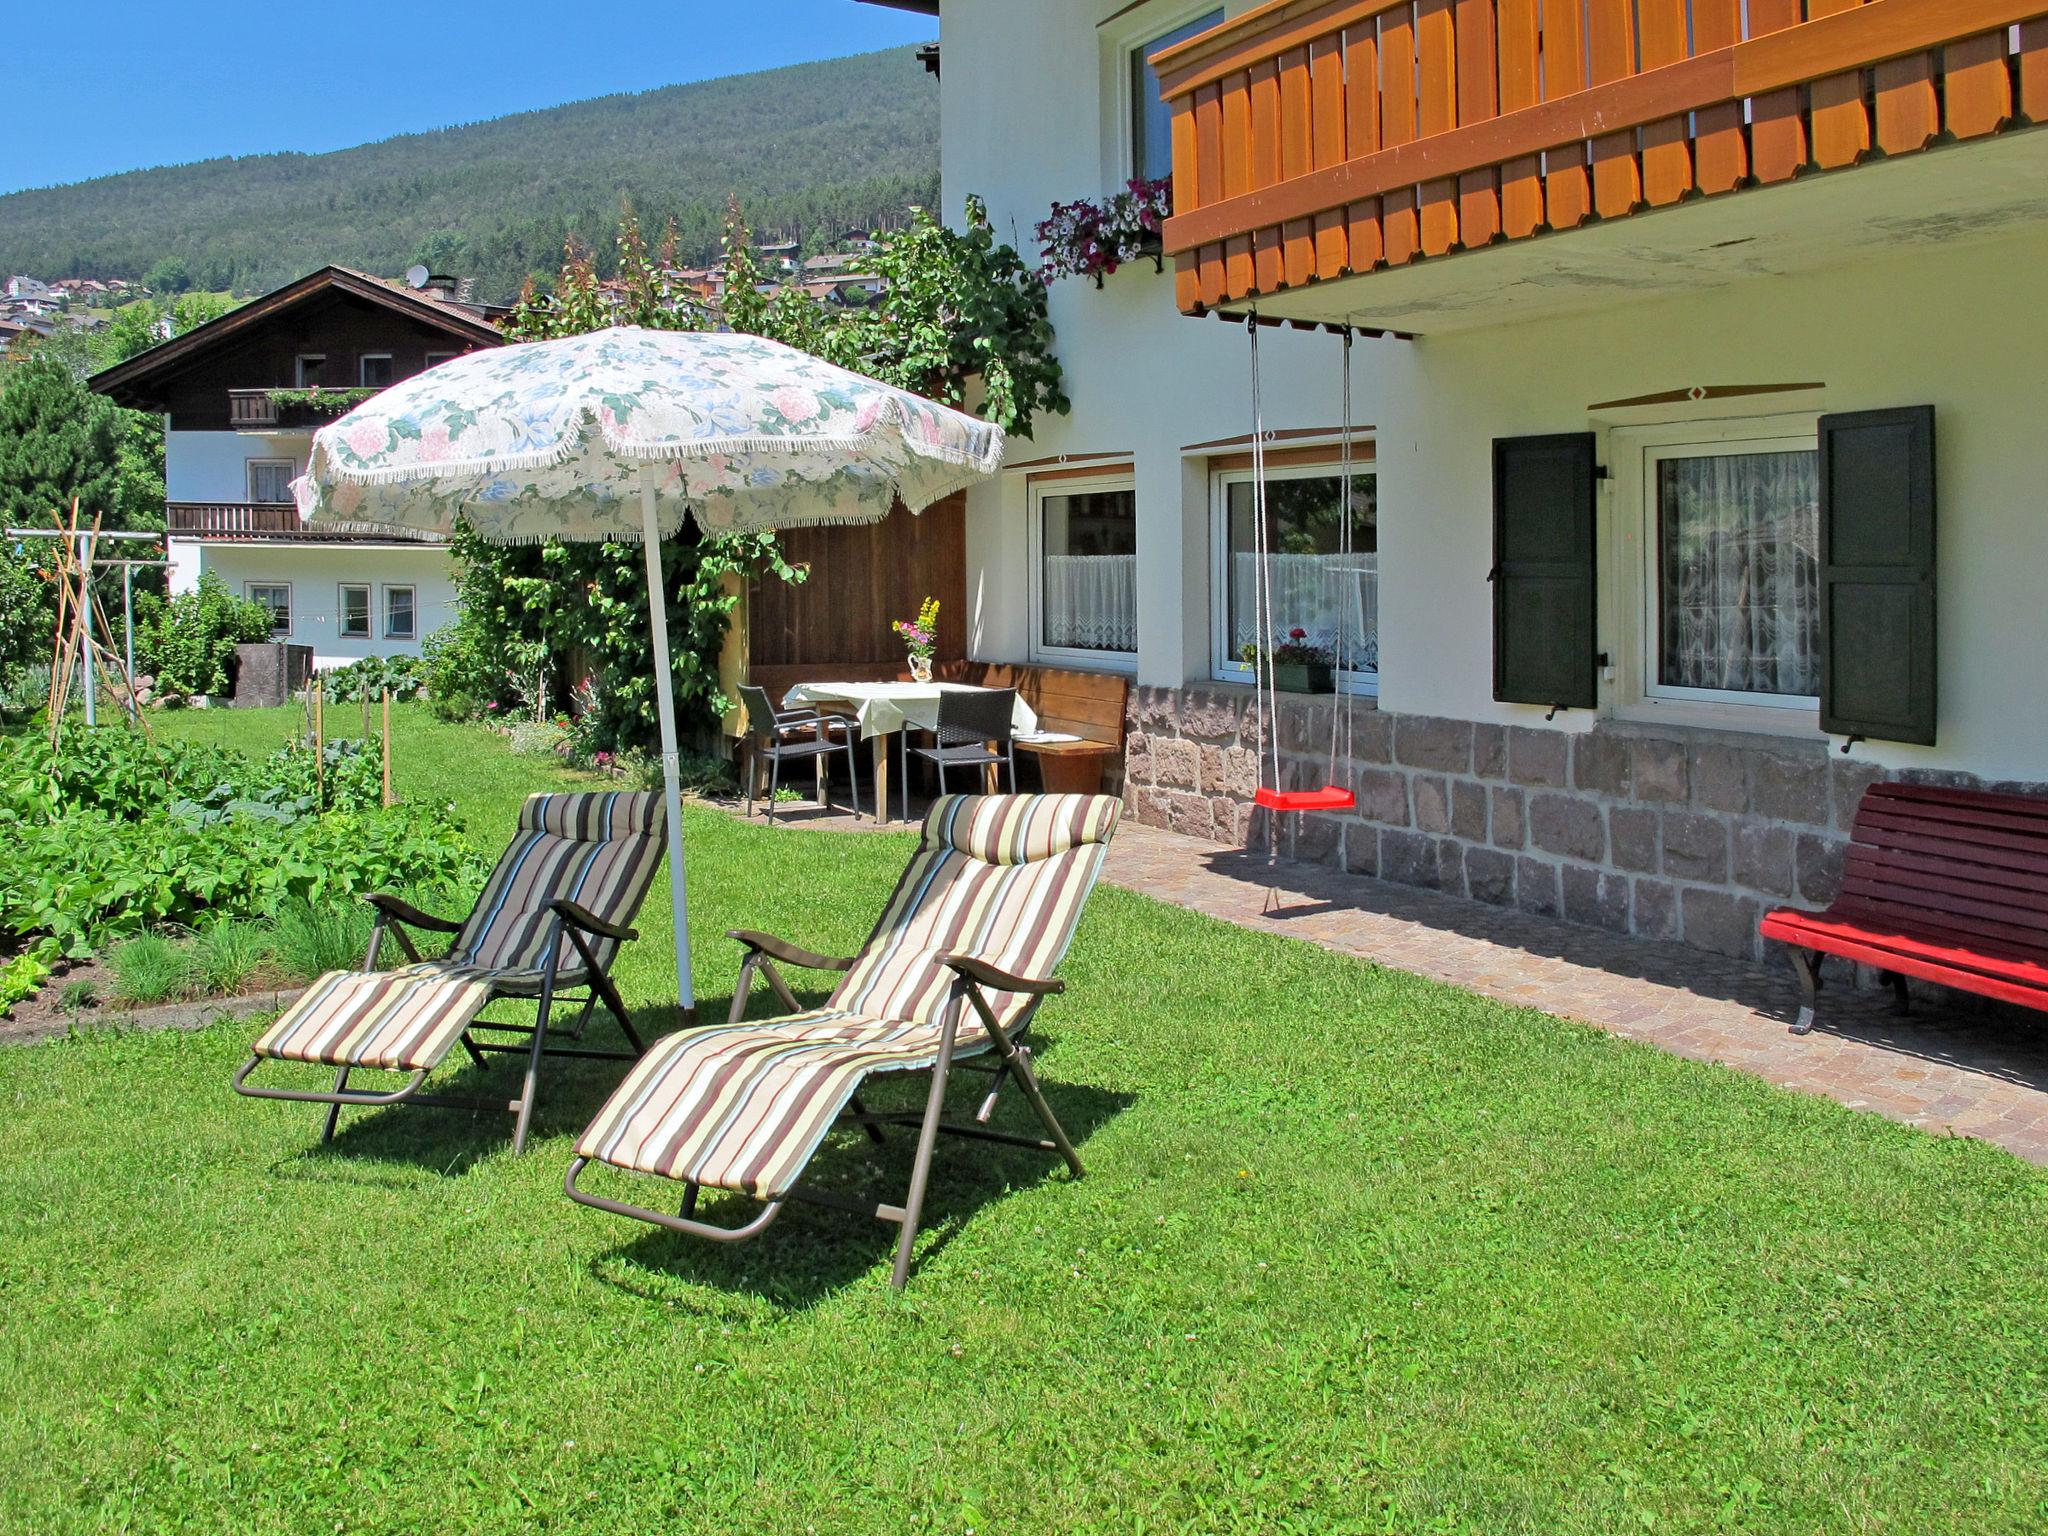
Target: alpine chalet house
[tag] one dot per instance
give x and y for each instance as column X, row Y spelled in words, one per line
column 241, row 398
column 1697, row 361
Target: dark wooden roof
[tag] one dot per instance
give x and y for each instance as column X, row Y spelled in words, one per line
column 136, row 382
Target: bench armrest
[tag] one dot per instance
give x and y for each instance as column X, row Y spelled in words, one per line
column 405, row 912
column 778, row 949
column 981, row 973
column 582, row 917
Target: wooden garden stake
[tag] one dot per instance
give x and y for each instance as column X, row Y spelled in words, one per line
column 387, row 744
column 319, row 747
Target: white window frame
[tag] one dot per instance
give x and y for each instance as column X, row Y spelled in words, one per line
column 411, row 592
column 1225, row 667
column 317, row 359
column 251, row 588
column 436, row 359
column 251, row 465
column 369, row 611
column 363, row 361
column 1634, row 453
column 1034, row 501
column 1120, row 37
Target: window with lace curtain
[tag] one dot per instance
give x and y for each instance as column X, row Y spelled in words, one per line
column 1084, row 598
column 1732, row 550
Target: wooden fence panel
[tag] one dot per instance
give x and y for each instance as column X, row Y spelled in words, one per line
column 1209, row 183
column 1720, row 147
column 1777, row 130
column 1478, row 100
column 1436, row 74
column 1908, row 109
column 1397, row 126
column 1840, row 124
column 1976, row 86
column 1237, row 177
column 1265, row 93
column 1667, row 147
column 1567, row 199
column 1362, row 232
column 1297, row 236
column 1326, row 144
column 1521, row 183
column 1611, row 55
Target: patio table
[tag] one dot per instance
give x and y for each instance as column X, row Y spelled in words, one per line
column 885, row 709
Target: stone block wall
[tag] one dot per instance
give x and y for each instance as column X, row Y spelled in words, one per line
column 1689, row 837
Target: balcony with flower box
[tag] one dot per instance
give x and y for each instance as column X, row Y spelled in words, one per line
column 1427, row 165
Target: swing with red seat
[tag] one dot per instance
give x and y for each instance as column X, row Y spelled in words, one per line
column 1332, row 796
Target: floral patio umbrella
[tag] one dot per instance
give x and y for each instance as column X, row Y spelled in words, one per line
column 621, row 433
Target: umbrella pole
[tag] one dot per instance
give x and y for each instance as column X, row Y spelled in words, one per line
column 665, row 703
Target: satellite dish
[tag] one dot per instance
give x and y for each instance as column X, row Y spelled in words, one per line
column 416, row 276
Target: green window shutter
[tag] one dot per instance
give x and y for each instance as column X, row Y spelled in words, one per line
column 1544, row 650
column 1877, row 574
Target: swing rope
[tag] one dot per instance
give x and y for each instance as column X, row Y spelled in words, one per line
column 1265, row 675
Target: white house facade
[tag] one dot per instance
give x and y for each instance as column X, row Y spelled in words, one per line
column 242, row 398
column 1618, row 399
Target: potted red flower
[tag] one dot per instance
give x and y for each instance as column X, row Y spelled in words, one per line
column 1298, row 666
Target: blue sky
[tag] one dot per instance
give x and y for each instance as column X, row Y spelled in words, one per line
column 157, row 84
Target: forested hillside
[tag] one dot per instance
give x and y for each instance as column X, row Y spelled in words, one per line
column 810, row 148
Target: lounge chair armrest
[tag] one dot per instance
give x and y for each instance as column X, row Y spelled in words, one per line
column 589, row 921
column 778, row 949
column 405, row 912
column 981, row 973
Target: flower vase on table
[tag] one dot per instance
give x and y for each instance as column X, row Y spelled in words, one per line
column 920, row 636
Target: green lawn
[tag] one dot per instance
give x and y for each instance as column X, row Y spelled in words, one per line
column 1356, row 1252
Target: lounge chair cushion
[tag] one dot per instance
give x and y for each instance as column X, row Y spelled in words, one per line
column 598, row 850
column 403, row 1020
column 999, row 877
column 744, row 1106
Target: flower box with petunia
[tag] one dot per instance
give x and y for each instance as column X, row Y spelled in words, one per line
column 1090, row 239
column 1298, row 665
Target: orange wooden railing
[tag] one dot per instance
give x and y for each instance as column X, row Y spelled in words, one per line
column 1316, row 138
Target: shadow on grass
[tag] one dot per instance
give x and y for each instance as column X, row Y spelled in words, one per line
column 811, row 1252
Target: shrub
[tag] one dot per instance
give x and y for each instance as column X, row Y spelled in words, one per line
column 226, row 955
column 188, row 642
column 457, row 673
column 150, row 969
column 311, row 940
column 369, row 678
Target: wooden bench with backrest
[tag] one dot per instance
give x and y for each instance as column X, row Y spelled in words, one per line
column 1086, row 705
column 1947, row 885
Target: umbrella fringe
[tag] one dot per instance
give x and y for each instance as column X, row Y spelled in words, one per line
column 983, row 463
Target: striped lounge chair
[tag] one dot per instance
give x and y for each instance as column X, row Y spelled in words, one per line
column 549, row 921
column 976, row 925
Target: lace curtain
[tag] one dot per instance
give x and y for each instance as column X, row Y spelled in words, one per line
column 1316, row 593
column 1739, row 572
column 1090, row 602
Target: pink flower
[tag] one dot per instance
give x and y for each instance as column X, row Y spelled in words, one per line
column 434, row 445
column 794, row 403
column 1297, row 633
column 366, row 438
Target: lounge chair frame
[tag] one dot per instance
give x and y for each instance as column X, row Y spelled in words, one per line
column 971, row 977
column 577, row 924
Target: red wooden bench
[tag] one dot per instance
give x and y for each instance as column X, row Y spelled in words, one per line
column 1947, row 885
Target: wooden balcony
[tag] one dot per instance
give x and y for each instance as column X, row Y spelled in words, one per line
column 251, row 408
column 263, row 521
column 1324, row 140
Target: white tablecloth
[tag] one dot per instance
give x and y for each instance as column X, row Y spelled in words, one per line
column 883, row 708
